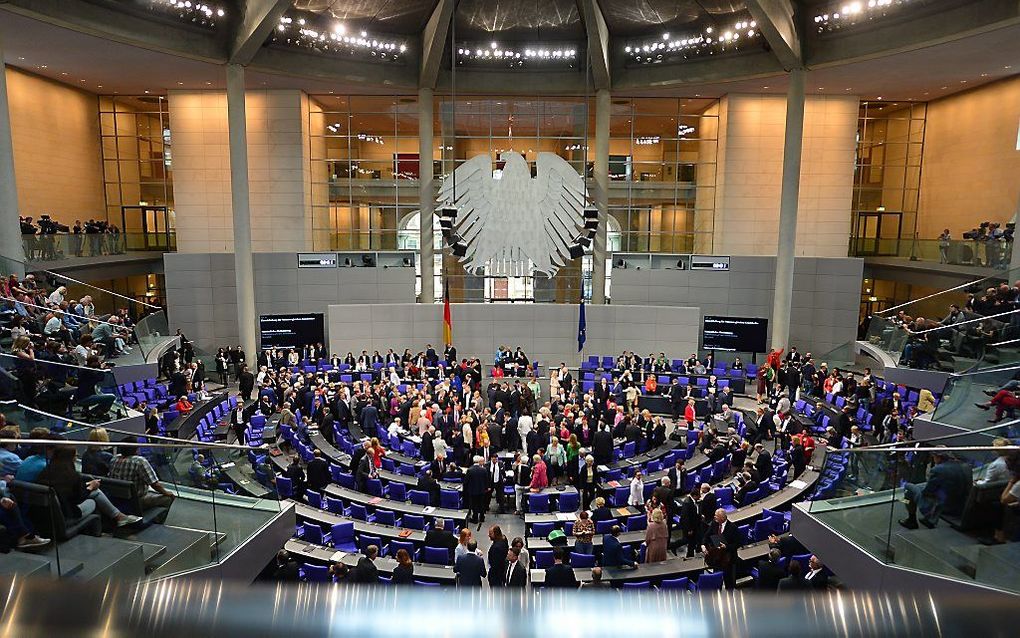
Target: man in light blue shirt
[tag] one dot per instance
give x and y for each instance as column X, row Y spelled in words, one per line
column 34, row 464
column 9, row 461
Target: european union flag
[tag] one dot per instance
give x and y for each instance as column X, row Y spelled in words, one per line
column 581, row 328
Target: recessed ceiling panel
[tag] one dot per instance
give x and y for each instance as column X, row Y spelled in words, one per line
column 639, row 17
column 403, row 17
column 519, row 19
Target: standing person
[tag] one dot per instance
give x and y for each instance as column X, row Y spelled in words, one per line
column 498, row 557
column 587, row 481
column 245, row 382
column 222, row 364
column 656, row 537
column 469, row 567
column 584, row 533
column 560, row 576
column 477, row 487
column 637, row 491
column 522, row 481
column 945, row 239
column 515, row 575
column 720, row 545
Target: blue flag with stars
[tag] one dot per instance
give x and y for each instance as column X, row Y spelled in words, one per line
column 581, row 327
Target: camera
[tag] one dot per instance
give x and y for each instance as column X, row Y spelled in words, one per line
column 50, row 227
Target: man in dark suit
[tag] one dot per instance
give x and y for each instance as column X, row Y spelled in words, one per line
column 245, row 382
column 239, row 421
column 677, row 399
column 763, row 462
column 612, row 550
column 690, row 522
column 676, row 475
column 516, row 574
column 470, row 568
column 366, row 572
column 724, row 539
column 476, row 490
column 285, row 569
column 770, row 572
column 560, row 575
column 317, row 472
column 602, row 446
column 427, row 483
column 438, row 536
column 817, row 576
column 795, row 581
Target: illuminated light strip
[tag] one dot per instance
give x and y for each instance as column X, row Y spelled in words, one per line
column 850, row 13
column 517, row 54
column 706, row 42
column 197, row 12
column 296, row 31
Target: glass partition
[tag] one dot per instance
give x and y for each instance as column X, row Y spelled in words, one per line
column 152, row 331
column 968, row 400
column 961, row 346
column 937, row 506
column 88, row 394
column 985, row 252
column 143, row 518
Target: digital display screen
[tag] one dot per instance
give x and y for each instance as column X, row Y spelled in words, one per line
column 735, row 334
column 290, row 331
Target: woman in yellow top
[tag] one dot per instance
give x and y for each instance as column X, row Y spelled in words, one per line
column 482, row 437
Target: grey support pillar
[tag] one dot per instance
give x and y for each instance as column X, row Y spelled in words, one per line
column 426, row 197
column 244, row 271
column 601, row 175
column 788, row 202
column 10, row 229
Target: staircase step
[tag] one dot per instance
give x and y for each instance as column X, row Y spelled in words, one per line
column 101, row 558
column 25, row 564
column 183, row 548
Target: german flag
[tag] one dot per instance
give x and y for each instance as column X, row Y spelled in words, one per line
column 447, row 317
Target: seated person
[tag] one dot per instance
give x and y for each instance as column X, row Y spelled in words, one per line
column 946, row 489
column 79, row 497
column 16, row 532
column 183, row 405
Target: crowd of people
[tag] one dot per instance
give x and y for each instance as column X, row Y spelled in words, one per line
column 75, row 482
column 59, row 346
column 967, row 329
column 559, row 440
column 91, row 239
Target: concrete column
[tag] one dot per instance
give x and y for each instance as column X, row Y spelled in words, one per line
column 601, row 175
column 244, row 270
column 788, row 202
column 426, row 198
column 10, row 229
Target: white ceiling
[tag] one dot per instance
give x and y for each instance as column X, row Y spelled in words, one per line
column 110, row 67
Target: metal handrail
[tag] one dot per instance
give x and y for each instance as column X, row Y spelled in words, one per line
column 962, row 323
column 32, row 305
column 169, row 439
column 936, row 294
column 202, row 444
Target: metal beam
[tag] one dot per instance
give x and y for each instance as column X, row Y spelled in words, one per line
column 776, row 23
column 433, row 43
column 253, row 29
column 598, row 41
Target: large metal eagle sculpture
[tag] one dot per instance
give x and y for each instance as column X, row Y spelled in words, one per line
column 503, row 221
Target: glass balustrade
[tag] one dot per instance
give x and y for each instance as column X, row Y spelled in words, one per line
column 935, row 506
column 83, row 393
column 190, row 519
column 60, row 246
column 957, row 252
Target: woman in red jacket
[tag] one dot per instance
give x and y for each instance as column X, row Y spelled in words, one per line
column 689, row 414
column 539, row 475
column 377, row 453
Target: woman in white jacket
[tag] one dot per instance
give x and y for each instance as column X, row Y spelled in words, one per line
column 637, row 490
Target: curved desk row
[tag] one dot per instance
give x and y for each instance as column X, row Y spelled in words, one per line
column 311, row 553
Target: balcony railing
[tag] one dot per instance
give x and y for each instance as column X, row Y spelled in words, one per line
column 61, row 246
